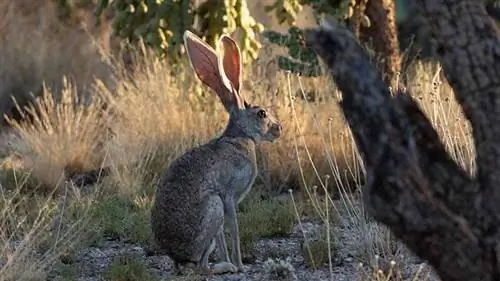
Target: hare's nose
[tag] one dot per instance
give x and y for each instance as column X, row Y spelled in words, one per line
column 279, row 127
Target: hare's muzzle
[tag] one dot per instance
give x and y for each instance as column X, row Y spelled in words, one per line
column 275, row 130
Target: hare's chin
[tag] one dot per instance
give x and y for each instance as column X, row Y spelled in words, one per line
column 270, row 139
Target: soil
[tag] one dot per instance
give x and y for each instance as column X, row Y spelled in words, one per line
column 93, row 261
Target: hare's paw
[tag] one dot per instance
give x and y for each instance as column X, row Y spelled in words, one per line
column 224, row 267
column 243, row 268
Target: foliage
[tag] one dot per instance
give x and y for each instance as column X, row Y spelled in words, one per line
column 301, row 60
column 286, row 11
column 315, row 253
column 279, row 269
column 347, row 11
column 161, row 23
column 217, row 18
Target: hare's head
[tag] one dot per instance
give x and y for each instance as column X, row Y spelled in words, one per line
column 221, row 71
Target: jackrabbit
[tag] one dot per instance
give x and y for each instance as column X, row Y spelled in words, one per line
column 203, row 187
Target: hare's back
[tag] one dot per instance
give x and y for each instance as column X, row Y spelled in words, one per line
column 204, row 171
column 188, row 173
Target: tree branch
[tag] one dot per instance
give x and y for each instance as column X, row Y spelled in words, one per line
column 469, row 50
column 413, row 186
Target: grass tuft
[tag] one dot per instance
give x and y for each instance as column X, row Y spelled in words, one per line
column 63, row 137
column 261, row 218
column 32, row 234
column 121, row 219
column 128, row 268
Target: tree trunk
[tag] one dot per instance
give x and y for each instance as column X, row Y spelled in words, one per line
column 382, row 33
column 441, row 212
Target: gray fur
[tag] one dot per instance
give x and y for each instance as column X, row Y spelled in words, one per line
column 202, row 188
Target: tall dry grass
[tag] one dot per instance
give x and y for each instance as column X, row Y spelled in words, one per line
column 35, row 231
column 156, row 117
column 38, row 51
column 375, row 243
column 154, row 112
column 149, row 111
column 38, row 47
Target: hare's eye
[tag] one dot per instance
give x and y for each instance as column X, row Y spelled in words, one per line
column 262, row 113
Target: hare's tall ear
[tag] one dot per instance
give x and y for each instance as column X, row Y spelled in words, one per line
column 205, row 63
column 230, row 66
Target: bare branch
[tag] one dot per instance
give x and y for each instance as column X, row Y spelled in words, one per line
column 469, row 50
column 413, row 186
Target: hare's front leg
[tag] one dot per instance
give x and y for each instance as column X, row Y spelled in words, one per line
column 230, row 210
column 225, row 265
column 222, row 245
column 206, row 254
column 219, row 268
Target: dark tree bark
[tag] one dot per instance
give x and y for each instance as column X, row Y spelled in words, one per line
column 382, row 33
column 441, row 212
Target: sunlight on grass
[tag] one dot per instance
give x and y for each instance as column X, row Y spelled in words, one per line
column 154, row 112
column 63, row 137
column 374, row 242
column 34, row 233
column 153, row 118
column 38, row 49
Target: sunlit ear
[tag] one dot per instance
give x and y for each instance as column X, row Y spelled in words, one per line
column 230, row 66
column 203, row 60
column 230, row 56
column 205, row 63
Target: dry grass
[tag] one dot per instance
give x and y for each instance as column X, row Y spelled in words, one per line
column 156, row 117
column 35, row 231
column 37, row 48
column 62, row 137
column 376, row 244
column 153, row 114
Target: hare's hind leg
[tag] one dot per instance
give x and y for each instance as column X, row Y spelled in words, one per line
column 213, row 235
column 212, row 221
